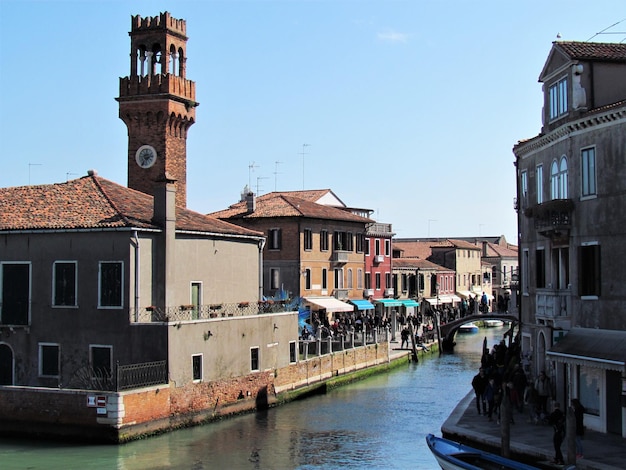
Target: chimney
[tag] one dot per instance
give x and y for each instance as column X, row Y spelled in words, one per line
column 250, row 202
column 165, row 217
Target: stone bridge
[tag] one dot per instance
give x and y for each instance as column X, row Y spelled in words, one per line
column 448, row 330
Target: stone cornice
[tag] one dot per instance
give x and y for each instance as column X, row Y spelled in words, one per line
column 586, row 123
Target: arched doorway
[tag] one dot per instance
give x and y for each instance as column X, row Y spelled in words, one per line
column 540, row 356
column 6, row 365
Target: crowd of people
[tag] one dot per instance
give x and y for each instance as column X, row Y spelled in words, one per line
column 503, row 375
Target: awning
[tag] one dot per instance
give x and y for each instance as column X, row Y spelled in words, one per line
column 362, row 304
column 464, row 294
column 388, row 302
column 330, row 304
column 602, row 349
column 409, row 303
column 449, row 298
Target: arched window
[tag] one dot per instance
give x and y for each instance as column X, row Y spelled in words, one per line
column 558, row 179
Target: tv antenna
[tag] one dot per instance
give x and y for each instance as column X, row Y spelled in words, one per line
column 303, row 154
column 606, row 31
column 276, row 172
column 259, row 178
column 251, row 168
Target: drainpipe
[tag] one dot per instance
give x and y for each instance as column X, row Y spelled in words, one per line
column 261, row 246
column 137, row 266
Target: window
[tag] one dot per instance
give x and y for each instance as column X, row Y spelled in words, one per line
column 523, row 192
column 525, row 277
column 338, row 278
column 64, row 284
column 292, row 352
column 388, row 280
column 196, row 367
column 539, row 175
column 308, row 239
column 367, row 247
column 324, row 279
column 274, row 239
column 368, row 280
column 111, row 284
column 343, row 241
column 377, row 247
column 15, row 294
column 274, row 278
column 560, row 268
column 101, row 360
column 49, row 355
column 307, row 278
column 378, row 281
column 323, row 240
column 254, row 359
column 387, row 247
column 588, row 172
column 359, row 278
column 558, row 179
column 558, row 99
column 350, row 282
column 589, row 270
column 403, row 283
column 196, row 299
column 360, row 242
column 589, row 380
column 540, row 258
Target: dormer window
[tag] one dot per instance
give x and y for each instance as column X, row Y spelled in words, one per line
column 558, row 99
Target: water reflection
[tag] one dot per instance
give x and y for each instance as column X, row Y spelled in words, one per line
column 379, row 422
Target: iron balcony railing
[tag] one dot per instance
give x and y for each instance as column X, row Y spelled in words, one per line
column 153, row 314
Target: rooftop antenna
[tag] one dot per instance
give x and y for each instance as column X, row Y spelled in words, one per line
column 276, row 173
column 303, row 154
column 68, row 174
column 259, row 178
column 251, row 168
column 604, row 31
column 29, row 167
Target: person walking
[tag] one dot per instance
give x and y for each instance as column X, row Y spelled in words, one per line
column 557, row 420
column 490, row 396
column 542, row 386
column 579, row 416
column 404, row 334
column 479, row 383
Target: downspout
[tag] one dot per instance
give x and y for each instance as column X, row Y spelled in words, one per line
column 261, row 246
column 137, row 266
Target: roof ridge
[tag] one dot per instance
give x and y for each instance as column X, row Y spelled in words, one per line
column 96, row 182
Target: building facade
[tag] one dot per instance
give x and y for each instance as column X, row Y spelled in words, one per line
column 571, row 205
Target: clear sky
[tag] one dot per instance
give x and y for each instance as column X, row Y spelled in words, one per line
column 407, row 107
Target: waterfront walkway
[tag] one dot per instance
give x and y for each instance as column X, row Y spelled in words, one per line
column 601, row 451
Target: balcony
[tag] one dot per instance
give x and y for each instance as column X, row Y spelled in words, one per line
column 389, row 292
column 340, row 256
column 553, row 219
column 340, row 294
column 379, row 259
column 368, row 293
column 554, row 306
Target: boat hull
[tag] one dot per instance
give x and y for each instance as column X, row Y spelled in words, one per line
column 452, row 455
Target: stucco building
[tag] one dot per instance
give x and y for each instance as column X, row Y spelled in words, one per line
column 571, row 187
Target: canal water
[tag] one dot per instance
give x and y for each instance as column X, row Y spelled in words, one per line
column 377, row 423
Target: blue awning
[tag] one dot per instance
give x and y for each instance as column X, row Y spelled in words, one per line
column 410, row 303
column 389, row 302
column 362, row 304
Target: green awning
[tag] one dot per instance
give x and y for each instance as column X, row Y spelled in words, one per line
column 410, row 303
column 389, row 302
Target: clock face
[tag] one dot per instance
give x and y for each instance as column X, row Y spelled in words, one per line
column 145, row 156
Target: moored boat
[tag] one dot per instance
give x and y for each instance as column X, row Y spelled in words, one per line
column 493, row 323
column 468, row 328
column 452, row 455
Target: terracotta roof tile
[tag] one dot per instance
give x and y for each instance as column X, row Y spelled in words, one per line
column 610, row 52
column 286, row 205
column 93, row 202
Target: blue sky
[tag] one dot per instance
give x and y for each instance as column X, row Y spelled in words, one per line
column 409, row 107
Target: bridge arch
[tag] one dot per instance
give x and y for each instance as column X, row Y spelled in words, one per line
column 448, row 330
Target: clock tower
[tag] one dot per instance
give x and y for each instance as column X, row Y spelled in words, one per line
column 157, row 104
